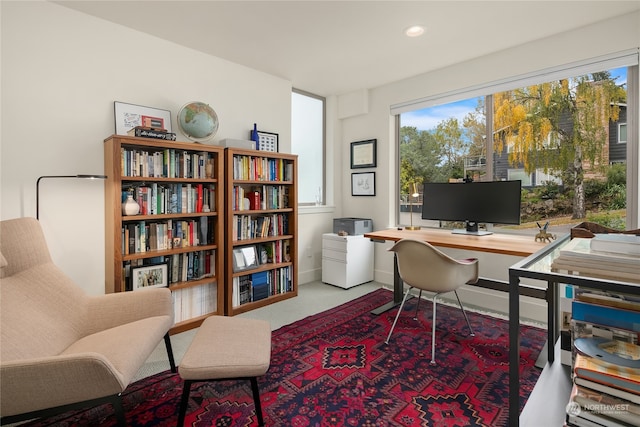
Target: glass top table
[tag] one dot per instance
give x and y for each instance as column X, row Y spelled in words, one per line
column 539, row 266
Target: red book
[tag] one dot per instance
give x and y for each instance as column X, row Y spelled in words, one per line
column 254, row 200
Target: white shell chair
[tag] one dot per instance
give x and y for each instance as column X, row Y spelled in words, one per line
column 424, row 267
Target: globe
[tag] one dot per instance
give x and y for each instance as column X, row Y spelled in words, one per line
column 198, row 121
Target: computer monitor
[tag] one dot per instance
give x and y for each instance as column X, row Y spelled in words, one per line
column 494, row 202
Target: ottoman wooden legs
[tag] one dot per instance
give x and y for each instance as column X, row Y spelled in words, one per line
column 227, row 348
column 184, row 402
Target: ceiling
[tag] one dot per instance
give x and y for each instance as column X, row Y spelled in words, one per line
column 335, row 47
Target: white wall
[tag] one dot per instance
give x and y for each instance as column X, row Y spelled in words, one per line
column 588, row 42
column 61, row 72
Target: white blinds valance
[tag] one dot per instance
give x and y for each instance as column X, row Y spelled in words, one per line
column 607, row 62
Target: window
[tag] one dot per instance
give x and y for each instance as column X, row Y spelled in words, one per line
column 307, row 141
column 520, row 174
column 622, row 133
column 527, row 139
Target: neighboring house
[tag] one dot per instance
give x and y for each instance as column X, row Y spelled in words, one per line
column 616, row 153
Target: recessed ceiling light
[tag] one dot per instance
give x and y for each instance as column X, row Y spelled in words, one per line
column 414, row 31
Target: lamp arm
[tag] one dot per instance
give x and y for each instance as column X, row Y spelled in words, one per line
column 59, row 176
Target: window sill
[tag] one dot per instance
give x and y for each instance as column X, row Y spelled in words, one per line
column 305, row 210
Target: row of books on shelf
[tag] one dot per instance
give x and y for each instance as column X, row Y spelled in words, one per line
column 610, row 256
column 260, row 197
column 194, row 301
column 245, row 227
column 175, row 268
column 605, row 333
column 148, row 236
column 256, row 168
column 157, row 199
column 260, row 285
column 167, row 163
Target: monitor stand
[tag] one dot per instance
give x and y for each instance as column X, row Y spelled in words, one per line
column 471, row 229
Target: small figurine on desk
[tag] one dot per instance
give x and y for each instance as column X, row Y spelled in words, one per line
column 543, row 235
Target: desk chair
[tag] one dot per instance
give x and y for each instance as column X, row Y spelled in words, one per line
column 424, row 267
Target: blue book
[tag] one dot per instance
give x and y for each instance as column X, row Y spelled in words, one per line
column 606, row 316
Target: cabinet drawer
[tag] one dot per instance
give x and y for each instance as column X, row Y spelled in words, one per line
column 334, row 244
column 334, row 255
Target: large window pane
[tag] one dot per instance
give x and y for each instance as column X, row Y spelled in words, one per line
column 307, row 141
column 565, row 141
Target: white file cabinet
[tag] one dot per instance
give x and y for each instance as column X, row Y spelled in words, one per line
column 347, row 261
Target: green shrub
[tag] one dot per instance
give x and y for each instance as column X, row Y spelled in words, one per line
column 617, row 174
column 607, row 219
column 615, row 197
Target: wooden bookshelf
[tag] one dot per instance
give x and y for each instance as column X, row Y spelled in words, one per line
column 260, row 212
column 180, row 187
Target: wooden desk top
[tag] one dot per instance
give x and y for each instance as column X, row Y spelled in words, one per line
column 505, row 244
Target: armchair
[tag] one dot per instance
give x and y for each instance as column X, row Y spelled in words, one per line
column 61, row 349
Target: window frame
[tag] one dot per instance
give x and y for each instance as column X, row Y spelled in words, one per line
column 628, row 59
column 320, row 198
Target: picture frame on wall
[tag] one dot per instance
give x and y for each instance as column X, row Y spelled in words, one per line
column 363, row 154
column 150, row 276
column 128, row 116
column 363, row 184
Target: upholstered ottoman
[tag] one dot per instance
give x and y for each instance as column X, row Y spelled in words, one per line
column 227, row 348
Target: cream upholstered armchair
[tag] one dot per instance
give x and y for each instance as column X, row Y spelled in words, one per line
column 424, row 267
column 60, row 348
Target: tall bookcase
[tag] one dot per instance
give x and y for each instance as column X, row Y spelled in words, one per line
column 177, row 238
column 261, row 217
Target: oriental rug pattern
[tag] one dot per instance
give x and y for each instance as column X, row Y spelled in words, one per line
column 333, row 369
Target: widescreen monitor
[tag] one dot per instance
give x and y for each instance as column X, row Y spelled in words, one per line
column 493, row 202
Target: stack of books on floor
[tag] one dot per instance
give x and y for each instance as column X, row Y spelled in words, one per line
column 609, row 256
column 605, row 332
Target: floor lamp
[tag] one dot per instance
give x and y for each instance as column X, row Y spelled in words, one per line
column 414, row 194
column 60, row 176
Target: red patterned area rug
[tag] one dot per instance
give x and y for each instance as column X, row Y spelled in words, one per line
column 333, row 369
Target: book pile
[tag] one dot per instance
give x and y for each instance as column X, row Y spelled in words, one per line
column 605, row 331
column 608, row 256
column 149, row 132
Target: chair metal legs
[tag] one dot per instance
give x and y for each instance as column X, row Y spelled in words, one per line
column 167, row 343
column 465, row 315
column 406, row 294
column 433, row 320
column 433, row 332
column 415, row 316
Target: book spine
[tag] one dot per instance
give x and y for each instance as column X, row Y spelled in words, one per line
column 606, row 316
column 155, row 134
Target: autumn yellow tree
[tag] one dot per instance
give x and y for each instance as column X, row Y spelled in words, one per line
column 559, row 127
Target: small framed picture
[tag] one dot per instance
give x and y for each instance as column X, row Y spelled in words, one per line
column 150, row 276
column 267, row 141
column 363, row 154
column 128, row 116
column 245, row 258
column 363, row 184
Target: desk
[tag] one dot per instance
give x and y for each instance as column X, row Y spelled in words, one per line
column 505, row 244
column 538, row 266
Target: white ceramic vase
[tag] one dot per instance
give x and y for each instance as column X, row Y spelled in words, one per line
column 130, row 206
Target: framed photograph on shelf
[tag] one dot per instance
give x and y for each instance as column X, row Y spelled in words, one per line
column 363, row 184
column 128, row 116
column 245, row 258
column 267, row 141
column 363, row 154
column 150, row 276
